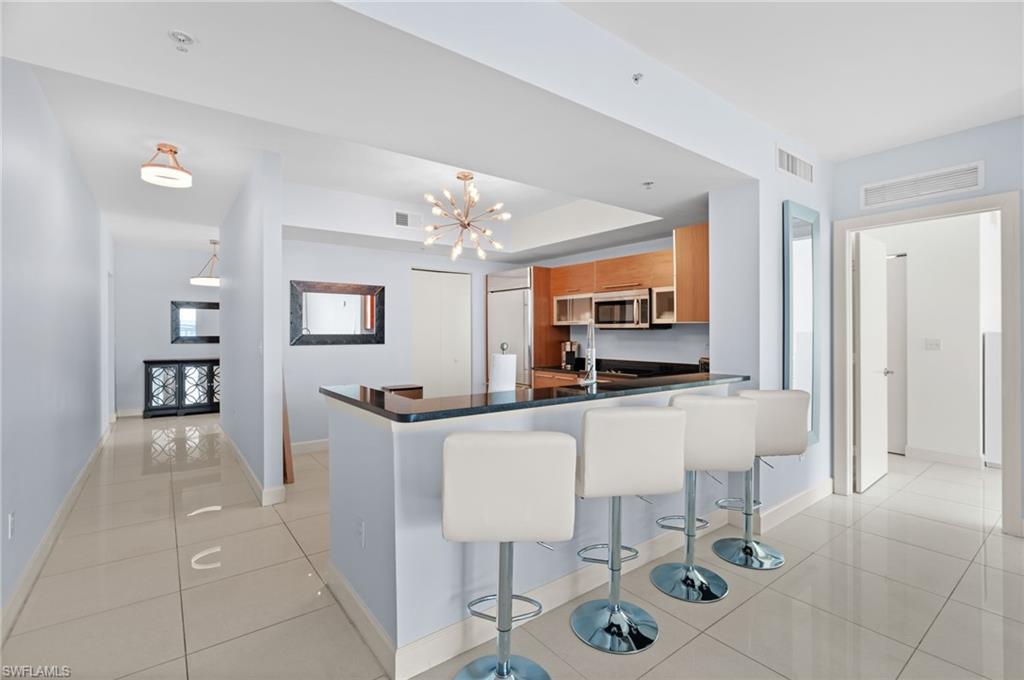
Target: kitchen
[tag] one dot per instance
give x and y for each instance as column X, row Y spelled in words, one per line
column 648, row 291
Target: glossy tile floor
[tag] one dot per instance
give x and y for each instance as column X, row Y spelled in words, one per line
column 149, row 580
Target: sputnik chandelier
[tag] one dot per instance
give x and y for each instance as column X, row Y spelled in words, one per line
column 465, row 224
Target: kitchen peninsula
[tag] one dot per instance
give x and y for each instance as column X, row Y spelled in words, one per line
column 405, row 585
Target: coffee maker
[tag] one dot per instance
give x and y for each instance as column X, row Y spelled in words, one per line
column 570, row 350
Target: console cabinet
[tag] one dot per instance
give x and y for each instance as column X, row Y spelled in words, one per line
column 178, row 387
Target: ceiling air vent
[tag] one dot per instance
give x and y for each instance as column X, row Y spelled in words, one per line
column 794, row 165
column 926, row 185
column 407, row 220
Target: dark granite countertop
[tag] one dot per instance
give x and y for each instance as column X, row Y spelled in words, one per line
column 405, row 410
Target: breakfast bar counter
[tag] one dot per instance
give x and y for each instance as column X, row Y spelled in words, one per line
column 403, row 584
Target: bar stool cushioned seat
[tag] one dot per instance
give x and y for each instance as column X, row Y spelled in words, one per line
column 506, row 487
column 781, row 431
column 626, row 450
column 719, row 436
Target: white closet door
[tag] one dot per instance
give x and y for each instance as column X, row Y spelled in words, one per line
column 441, row 333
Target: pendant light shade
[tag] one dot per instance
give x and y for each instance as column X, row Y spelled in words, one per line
column 207, row 276
column 164, row 170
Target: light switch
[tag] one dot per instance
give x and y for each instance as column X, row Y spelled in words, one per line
column 932, row 344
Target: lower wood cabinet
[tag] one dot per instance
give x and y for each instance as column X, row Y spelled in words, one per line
column 553, row 379
column 180, row 387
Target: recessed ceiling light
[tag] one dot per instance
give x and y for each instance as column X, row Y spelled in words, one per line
column 649, row 184
column 167, row 174
column 182, row 40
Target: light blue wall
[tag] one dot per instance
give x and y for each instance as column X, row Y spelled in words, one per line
column 52, row 245
column 308, row 367
column 251, row 339
column 1000, row 145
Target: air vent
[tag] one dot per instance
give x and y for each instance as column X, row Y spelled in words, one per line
column 407, row 220
column 794, row 165
column 926, row 185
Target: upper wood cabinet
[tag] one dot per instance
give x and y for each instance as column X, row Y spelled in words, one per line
column 646, row 270
column 572, row 279
column 690, row 249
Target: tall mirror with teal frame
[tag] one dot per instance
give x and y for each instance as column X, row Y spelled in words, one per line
column 801, row 365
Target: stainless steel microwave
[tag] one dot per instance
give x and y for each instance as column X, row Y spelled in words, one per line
column 623, row 309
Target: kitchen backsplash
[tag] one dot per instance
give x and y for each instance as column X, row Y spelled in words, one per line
column 683, row 343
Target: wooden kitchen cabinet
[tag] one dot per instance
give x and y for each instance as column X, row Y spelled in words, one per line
column 692, row 281
column 572, row 279
column 645, row 270
column 553, row 379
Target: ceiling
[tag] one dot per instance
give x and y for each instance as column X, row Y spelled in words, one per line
column 350, row 103
column 113, row 129
column 845, row 78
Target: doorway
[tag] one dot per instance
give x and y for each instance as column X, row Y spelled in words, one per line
column 442, row 340
column 863, row 311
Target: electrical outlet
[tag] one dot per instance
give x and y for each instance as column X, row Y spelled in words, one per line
column 361, row 531
column 10, row 526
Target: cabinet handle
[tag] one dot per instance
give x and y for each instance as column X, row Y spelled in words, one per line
column 572, row 290
column 622, row 285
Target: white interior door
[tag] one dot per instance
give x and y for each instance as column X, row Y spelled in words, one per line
column 442, row 336
column 871, row 455
column 896, row 359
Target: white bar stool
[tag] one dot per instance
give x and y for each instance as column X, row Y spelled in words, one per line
column 719, row 436
column 781, row 431
column 626, row 450
column 506, row 487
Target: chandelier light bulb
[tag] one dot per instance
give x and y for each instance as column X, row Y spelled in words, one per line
column 430, row 198
column 436, row 210
column 497, row 246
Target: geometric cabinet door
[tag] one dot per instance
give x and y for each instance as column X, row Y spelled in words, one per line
column 181, row 387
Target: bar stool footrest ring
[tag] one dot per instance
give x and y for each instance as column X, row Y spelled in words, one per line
column 736, row 504
column 537, row 610
column 630, row 553
column 666, row 523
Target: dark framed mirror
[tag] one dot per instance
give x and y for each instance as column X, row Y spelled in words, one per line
column 195, row 322
column 325, row 313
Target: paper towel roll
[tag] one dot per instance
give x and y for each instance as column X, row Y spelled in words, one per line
column 503, row 373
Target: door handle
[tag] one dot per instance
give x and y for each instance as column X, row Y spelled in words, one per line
column 886, row 372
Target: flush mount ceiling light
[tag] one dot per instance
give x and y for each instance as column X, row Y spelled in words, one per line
column 169, row 173
column 464, row 222
column 207, row 276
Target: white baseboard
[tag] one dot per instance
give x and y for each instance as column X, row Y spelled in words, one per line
column 768, row 519
column 28, row 578
column 366, row 623
column 129, row 413
column 311, row 446
column 917, row 453
column 419, row 655
column 269, row 496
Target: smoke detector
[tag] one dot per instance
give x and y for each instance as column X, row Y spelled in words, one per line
column 182, row 40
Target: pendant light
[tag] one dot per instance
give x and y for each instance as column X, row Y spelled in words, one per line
column 168, row 173
column 464, row 223
column 207, row 276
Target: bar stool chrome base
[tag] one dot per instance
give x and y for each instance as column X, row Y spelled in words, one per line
column 689, row 583
column 486, row 668
column 625, row 629
column 749, row 554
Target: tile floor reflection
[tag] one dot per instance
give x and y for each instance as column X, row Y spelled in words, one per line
column 168, row 568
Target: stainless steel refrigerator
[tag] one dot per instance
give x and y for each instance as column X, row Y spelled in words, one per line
column 510, row 319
